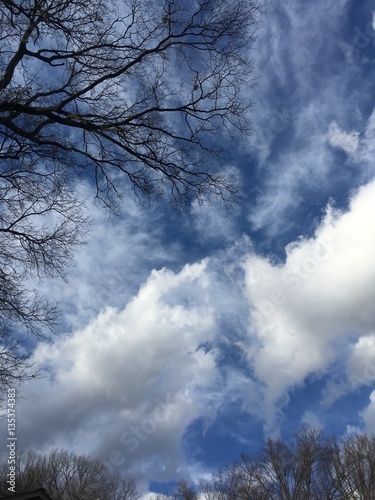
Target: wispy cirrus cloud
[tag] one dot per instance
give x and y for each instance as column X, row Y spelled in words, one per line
column 347, row 141
column 299, row 99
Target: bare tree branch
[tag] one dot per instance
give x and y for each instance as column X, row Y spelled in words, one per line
column 312, row 467
column 143, row 93
column 67, row 476
column 127, row 92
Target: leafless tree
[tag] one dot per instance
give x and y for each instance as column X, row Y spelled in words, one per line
column 118, row 92
column 67, row 476
column 133, row 90
column 354, row 467
column 14, row 368
column 312, row 467
column 183, row 492
column 232, row 483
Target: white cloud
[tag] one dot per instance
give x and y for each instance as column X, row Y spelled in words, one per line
column 149, row 496
column 360, row 148
column 325, row 291
column 129, row 383
column 361, row 365
column 311, row 419
column 340, row 139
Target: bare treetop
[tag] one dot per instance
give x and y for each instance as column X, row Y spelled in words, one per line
column 133, row 91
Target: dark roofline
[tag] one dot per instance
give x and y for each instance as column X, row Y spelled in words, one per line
column 31, row 495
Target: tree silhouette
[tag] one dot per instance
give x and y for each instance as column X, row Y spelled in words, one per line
column 312, row 467
column 134, row 92
column 67, row 476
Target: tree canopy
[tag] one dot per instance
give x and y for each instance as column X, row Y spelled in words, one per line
column 67, row 476
column 310, row 467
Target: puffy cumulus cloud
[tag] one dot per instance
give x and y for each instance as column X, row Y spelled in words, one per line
column 323, row 293
column 126, row 386
column 340, row 139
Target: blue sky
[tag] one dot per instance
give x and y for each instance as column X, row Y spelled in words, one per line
column 186, row 340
